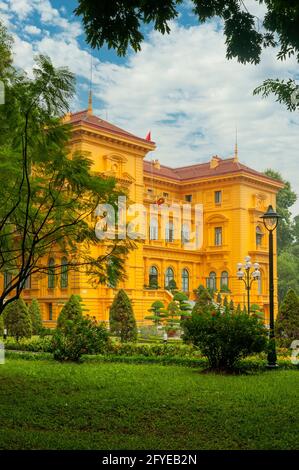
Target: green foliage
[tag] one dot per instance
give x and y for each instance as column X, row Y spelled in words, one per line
column 173, row 316
column 36, row 317
column 33, row 344
column 1, row 325
column 172, row 286
column 35, row 171
column 184, row 305
column 122, row 320
column 255, row 310
column 231, row 305
column 156, row 310
column 287, row 322
column 121, row 24
column 225, row 302
column 238, row 311
column 17, row 320
column 286, row 197
column 72, row 310
column 219, row 298
column 203, row 299
column 288, row 271
column 225, row 337
column 80, row 336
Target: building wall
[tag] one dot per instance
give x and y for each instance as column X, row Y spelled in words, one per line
column 244, row 200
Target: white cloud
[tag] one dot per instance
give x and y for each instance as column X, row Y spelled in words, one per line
column 31, row 29
column 21, row 8
column 182, row 88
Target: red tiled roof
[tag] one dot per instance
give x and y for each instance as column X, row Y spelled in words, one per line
column 93, row 121
column 203, row 170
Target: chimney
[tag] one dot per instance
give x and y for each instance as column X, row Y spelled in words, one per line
column 215, row 161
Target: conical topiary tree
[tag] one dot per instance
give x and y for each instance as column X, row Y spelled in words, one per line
column 36, row 317
column 17, row 320
column 239, row 311
column 184, row 305
column 225, row 302
column 287, row 322
column 121, row 318
column 231, row 305
column 72, row 310
column 156, row 310
column 203, row 299
column 219, row 299
column 173, row 316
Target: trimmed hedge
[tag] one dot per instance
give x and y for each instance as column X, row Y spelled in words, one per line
column 33, row 345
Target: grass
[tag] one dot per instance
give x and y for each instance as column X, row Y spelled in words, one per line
column 48, row 405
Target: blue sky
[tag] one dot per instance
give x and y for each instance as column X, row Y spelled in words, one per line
column 181, row 87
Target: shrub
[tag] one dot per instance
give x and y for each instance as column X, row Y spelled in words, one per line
column 156, row 311
column 171, row 285
column 32, row 344
column 225, row 337
column 72, row 310
column 122, row 320
column 185, row 307
column 1, row 325
column 203, row 298
column 36, row 318
column 173, row 317
column 287, row 322
column 80, row 336
column 17, row 320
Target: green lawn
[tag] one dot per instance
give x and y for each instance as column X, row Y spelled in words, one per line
column 47, row 405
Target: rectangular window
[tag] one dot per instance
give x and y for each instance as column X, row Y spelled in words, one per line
column 50, row 311
column 218, row 197
column 27, row 284
column 218, row 236
column 188, row 198
column 165, row 194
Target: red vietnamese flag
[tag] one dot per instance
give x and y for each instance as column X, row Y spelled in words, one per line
column 149, row 137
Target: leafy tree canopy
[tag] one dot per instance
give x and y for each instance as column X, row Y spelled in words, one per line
column 120, row 25
column 49, row 194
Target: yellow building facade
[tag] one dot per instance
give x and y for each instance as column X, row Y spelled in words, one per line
column 232, row 197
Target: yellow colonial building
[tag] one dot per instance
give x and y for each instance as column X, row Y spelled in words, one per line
column 233, row 197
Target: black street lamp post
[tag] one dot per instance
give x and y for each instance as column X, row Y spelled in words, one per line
column 270, row 219
column 248, row 277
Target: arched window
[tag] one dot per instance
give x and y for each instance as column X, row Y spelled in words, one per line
column 211, row 281
column 258, row 236
column 185, row 233
column 185, row 280
column 224, row 280
column 169, row 276
column 51, row 273
column 153, row 277
column 154, row 229
column 64, row 277
column 169, row 232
